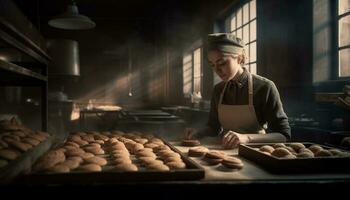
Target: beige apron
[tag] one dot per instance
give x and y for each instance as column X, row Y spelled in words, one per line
column 239, row 118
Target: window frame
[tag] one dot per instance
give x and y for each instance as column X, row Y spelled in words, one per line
column 335, row 42
column 242, row 25
column 184, row 55
column 200, row 70
column 223, row 24
column 191, row 51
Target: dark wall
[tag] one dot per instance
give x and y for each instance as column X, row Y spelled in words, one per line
column 284, row 54
column 104, row 62
column 156, row 48
column 285, row 50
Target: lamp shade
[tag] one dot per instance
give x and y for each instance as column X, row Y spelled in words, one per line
column 72, row 20
column 65, row 57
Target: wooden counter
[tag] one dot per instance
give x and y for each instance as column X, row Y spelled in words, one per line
column 217, row 177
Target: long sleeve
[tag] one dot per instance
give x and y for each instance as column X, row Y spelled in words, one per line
column 274, row 114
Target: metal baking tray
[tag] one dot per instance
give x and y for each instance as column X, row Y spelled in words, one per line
column 107, row 175
column 25, row 161
column 276, row 165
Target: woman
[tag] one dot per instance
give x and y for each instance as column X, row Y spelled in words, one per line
column 243, row 104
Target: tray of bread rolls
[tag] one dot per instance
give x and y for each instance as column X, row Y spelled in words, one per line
column 285, row 158
column 19, row 148
column 112, row 157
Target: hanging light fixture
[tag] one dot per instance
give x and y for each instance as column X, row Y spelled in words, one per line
column 72, row 20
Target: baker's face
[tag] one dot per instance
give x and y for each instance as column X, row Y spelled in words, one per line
column 225, row 66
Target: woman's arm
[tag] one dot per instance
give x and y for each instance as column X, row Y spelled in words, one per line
column 270, row 137
column 232, row 139
column 274, row 114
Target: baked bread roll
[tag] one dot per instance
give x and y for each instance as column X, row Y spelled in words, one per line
column 232, row 163
column 126, row 167
column 296, row 146
column 190, row 143
column 158, row 167
column 315, row 148
column 197, row 151
column 60, row 168
column 49, row 160
column 31, row 141
column 90, row 168
column 280, row 152
column 267, row 148
column 8, row 154
column 176, row 165
column 96, row 160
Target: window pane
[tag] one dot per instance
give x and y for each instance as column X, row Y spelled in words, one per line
column 227, row 25
column 239, row 17
column 245, row 13
column 246, row 49
column 252, row 30
column 233, row 23
column 344, row 31
column 197, row 70
column 197, row 63
column 197, row 86
column 252, row 7
column 187, row 74
column 344, row 64
column 344, row 6
column 252, row 52
column 253, row 69
column 246, row 34
column 239, row 33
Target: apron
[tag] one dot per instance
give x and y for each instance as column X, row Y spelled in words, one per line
column 239, row 118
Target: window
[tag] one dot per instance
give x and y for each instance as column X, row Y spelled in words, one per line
column 242, row 23
column 187, row 73
column 197, row 71
column 343, row 38
column 192, row 72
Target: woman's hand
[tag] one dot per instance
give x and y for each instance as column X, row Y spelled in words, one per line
column 189, row 133
column 232, row 139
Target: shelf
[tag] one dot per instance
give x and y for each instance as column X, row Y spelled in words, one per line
column 18, row 32
column 24, row 59
column 8, row 33
column 11, row 73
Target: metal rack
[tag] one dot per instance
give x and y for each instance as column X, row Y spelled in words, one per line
column 23, row 57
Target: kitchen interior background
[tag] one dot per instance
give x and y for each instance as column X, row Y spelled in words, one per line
column 149, row 55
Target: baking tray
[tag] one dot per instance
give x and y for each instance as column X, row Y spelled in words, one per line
column 25, row 161
column 276, row 165
column 192, row 172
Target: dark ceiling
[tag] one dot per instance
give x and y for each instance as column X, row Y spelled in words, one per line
column 147, row 19
column 116, row 9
